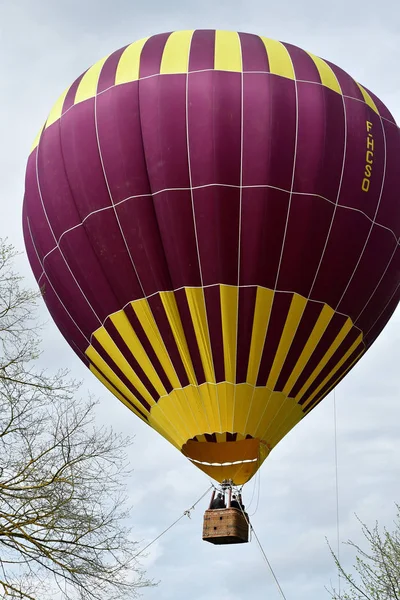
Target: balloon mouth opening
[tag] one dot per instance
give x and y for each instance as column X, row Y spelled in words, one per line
column 237, row 459
column 225, row 464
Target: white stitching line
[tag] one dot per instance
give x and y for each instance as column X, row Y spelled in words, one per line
column 241, row 163
column 261, row 186
column 270, row 426
column 118, row 387
column 387, row 304
column 113, row 206
column 372, row 225
column 308, row 406
column 191, row 188
column 223, row 70
column 219, row 285
column 240, row 225
column 291, row 185
column 331, row 224
column 368, row 105
column 110, row 196
column 216, row 383
column 162, row 339
column 284, row 235
column 282, row 249
column 54, row 237
column 210, row 286
column 241, row 187
column 197, row 243
column 51, row 285
column 337, row 205
column 337, row 195
column 205, row 71
column 377, row 286
column 351, row 208
column 343, row 164
column 204, row 186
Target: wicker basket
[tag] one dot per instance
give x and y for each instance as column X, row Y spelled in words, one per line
column 225, row 526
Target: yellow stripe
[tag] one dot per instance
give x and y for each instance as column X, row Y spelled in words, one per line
column 115, row 392
column 367, row 99
column 175, row 58
column 103, row 367
column 338, row 340
column 228, row 52
column 106, row 341
column 337, row 381
column 283, row 423
column 226, row 400
column 36, row 140
column 279, row 59
column 172, row 417
column 162, row 423
column 209, row 396
column 337, row 367
column 259, row 402
column 283, row 413
column 129, row 62
column 146, row 319
column 328, row 77
column 276, row 402
column 171, row 310
column 229, row 315
column 56, row 111
column 124, row 328
column 197, row 308
column 262, row 314
column 184, row 409
column 243, row 403
column 87, row 87
column 315, row 336
column 191, row 410
column 295, row 313
column 263, row 452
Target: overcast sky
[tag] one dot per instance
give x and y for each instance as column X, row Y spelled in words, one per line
column 45, row 45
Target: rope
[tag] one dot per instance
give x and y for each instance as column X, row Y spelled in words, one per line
column 185, row 513
column 258, row 494
column 264, row 554
column 337, row 487
column 254, row 490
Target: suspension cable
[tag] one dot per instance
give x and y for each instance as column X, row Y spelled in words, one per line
column 185, row 513
column 258, row 494
column 263, row 554
column 337, row 486
column 254, row 489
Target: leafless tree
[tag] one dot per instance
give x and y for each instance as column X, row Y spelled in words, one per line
column 63, row 509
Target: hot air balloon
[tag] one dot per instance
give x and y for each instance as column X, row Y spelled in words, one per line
column 214, row 220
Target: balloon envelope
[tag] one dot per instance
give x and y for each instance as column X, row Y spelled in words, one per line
column 214, row 220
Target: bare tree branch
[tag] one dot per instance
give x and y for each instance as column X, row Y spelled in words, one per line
column 377, row 568
column 63, row 512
